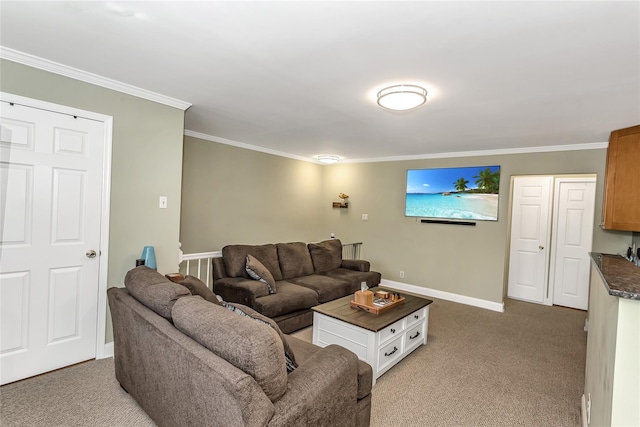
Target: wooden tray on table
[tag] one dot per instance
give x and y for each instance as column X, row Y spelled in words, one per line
column 377, row 309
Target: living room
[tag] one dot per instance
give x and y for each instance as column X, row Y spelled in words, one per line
column 222, row 193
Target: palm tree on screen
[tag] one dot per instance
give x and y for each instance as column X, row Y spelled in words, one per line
column 461, row 184
column 488, row 181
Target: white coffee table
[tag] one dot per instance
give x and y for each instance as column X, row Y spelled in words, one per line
column 381, row 340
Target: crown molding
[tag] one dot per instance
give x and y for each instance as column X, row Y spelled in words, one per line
column 526, row 150
column 249, row 146
column 497, row 152
column 87, row 77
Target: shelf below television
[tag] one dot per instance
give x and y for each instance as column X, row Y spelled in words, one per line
column 446, row 221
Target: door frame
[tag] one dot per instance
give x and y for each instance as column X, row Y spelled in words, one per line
column 101, row 324
column 578, row 177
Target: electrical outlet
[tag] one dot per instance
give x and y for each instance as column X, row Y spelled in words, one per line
column 163, row 202
column 365, row 217
column 402, row 274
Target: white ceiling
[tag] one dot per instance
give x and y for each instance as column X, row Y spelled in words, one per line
column 300, row 77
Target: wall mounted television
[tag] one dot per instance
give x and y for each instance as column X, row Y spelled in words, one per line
column 465, row 193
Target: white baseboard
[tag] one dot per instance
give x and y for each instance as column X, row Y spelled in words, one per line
column 583, row 411
column 108, row 350
column 435, row 293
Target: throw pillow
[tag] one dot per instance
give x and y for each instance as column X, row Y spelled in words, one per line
column 251, row 313
column 198, row 287
column 257, row 271
column 326, row 255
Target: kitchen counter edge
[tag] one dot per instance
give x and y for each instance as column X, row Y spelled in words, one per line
column 620, row 277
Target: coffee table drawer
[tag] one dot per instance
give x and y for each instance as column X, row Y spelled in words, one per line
column 415, row 317
column 414, row 336
column 388, row 354
column 391, row 331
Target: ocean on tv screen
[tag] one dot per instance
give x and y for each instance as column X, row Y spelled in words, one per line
column 453, row 206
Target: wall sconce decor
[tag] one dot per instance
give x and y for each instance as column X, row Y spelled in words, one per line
column 342, row 204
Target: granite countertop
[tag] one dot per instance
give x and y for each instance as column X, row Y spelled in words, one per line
column 620, row 276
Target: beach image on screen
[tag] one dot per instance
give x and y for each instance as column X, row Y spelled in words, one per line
column 453, row 193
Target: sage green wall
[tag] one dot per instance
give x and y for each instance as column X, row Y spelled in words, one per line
column 232, row 195
column 469, row 261
column 146, row 163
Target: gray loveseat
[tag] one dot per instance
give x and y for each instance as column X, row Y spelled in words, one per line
column 304, row 275
column 190, row 362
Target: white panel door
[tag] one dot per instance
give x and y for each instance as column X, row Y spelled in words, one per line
column 530, row 222
column 571, row 241
column 51, row 169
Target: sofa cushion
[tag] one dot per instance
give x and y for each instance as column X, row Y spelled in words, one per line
column 294, row 321
column 326, row 255
column 235, row 259
column 289, row 298
column 294, row 260
column 304, row 350
column 198, row 287
column 251, row 346
column 243, row 310
column 257, row 271
column 355, row 278
column 327, row 288
column 154, row 290
column 356, row 264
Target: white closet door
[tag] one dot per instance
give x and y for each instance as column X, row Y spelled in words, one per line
column 571, row 243
column 530, row 222
column 51, row 168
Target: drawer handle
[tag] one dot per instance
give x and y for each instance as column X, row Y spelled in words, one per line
column 415, row 336
column 393, row 331
column 415, row 316
column 391, row 352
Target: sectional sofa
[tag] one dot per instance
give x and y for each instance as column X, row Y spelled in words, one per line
column 193, row 361
column 284, row 280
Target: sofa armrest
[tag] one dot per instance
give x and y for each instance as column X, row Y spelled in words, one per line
column 219, row 272
column 323, row 391
column 240, row 290
column 356, row 264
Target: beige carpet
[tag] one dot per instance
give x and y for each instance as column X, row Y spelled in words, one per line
column 524, row 367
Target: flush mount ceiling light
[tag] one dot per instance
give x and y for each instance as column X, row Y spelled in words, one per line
column 402, row 97
column 328, row 159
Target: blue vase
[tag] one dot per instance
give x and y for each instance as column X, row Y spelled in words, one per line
column 149, row 257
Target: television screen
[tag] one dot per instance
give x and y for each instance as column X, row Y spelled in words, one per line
column 453, row 193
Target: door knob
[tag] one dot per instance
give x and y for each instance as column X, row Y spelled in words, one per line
column 91, row 253
column 541, row 247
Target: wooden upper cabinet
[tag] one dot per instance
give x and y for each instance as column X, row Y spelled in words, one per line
column 621, row 204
